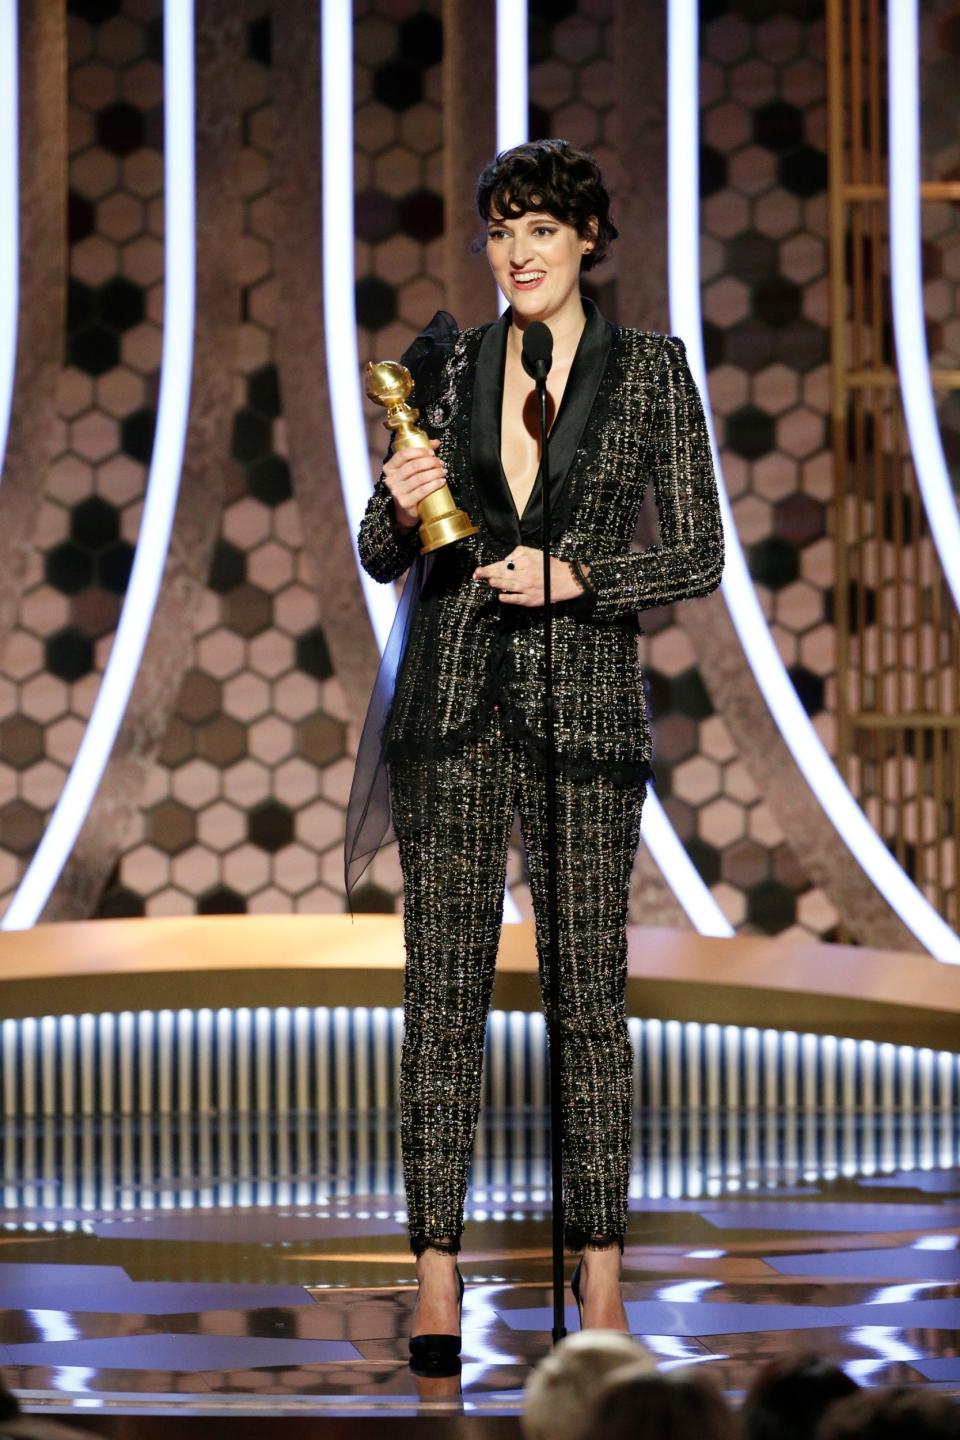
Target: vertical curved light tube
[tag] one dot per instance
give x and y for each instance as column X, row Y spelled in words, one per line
column 775, row 685
column 513, row 83
column 9, row 213
column 679, row 871
column 340, row 316
column 906, row 266
column 163, row 481
column 513, row 86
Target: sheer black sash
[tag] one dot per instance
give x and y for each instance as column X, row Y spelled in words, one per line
column 369, row 823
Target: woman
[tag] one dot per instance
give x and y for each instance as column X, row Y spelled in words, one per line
column 465, row 736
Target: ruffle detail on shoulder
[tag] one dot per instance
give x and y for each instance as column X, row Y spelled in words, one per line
column 426, row 356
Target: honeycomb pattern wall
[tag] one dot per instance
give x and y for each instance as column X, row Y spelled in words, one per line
column 764, row 268
column 245, row 807
column 90, row 518
column 244, row 810
column 763, row 177
column 940, row 160
column 903, row 644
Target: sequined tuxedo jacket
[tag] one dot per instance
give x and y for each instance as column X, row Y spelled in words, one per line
column 630, row 417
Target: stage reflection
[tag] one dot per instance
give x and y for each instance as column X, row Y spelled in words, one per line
column 216, row 1262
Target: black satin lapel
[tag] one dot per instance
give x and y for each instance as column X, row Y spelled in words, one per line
column 499, row 511
column 580, row 392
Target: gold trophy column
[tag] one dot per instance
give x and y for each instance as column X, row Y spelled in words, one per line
column 388, row 383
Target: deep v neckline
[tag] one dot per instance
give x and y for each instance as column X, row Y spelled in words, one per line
column 551, row 429
column 586, row 371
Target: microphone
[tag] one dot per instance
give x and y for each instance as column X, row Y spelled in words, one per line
column 537, row 356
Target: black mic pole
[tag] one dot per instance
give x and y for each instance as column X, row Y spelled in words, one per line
column 537, row 358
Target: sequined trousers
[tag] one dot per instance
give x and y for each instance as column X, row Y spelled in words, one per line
column 454, row 871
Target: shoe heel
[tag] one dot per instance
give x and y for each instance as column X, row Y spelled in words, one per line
column 436, row 1354
column 575, row 1287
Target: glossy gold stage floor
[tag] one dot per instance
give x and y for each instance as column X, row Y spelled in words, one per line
column 272, row 1293
column 202, row 1215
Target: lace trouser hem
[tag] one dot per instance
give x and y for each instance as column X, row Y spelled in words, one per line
column 445, row 1246
column 576, row 1240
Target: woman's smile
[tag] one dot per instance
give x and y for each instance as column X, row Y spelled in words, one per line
column 527, row 279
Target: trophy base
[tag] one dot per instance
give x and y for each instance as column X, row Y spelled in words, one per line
column 444, row 530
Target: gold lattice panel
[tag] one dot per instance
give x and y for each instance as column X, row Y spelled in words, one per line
column 898, row 633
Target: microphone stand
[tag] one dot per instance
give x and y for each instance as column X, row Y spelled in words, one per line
column 554, row 1036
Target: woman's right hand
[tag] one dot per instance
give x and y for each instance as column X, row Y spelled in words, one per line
column 412, row 475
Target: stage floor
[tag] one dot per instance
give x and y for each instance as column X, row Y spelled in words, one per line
column 259, row 1283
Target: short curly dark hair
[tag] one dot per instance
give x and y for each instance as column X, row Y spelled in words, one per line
column 552, row 177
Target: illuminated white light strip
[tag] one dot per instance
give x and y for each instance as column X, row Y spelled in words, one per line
column 679, row 871
column 9, row 213
column 511, row 130
column 340, row 318
column 668, row 853
column 163, row 481
column 152, row 1052
column 685, row 316
column 513, row 84
column 906, row 265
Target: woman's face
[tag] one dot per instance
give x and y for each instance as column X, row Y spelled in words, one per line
column 535, row 260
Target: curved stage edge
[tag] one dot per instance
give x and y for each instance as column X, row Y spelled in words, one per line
column 203, row 1217
column 213, row 961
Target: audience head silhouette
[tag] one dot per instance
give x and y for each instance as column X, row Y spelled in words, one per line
column 560, row 1395
column 898, row 1414
column 635, row 1404
column 790, row 1395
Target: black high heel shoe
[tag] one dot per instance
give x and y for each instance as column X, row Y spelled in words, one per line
column 575, row 1287
column 438, row 1354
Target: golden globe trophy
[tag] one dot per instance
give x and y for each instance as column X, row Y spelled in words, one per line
column 388, row 383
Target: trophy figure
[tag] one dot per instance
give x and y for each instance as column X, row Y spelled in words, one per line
column 389, row 383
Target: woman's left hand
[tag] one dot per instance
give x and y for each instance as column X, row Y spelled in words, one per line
column 519, row 578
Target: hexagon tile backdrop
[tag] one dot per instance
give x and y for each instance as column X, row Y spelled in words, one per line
column 764, row 271
column 245, row 808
